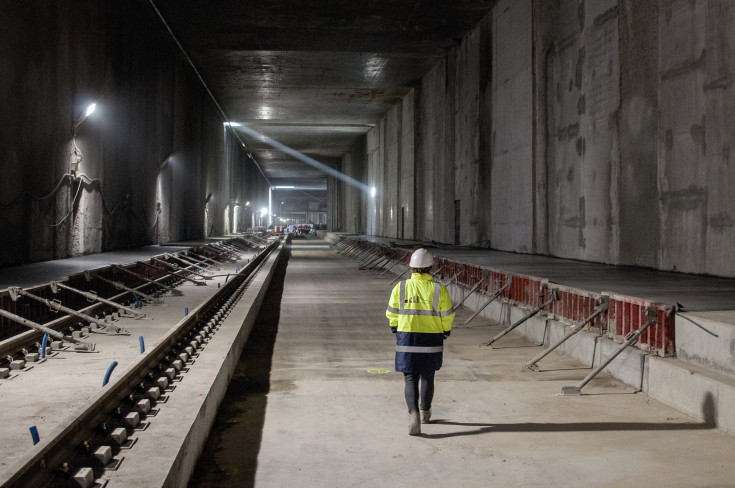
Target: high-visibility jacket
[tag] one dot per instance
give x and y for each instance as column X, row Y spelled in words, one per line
column 422, row 312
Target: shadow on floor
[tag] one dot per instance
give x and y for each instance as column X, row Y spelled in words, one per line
column 230, row 456
column 488, row 428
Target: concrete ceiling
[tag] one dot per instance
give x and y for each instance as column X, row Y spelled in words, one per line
column 314, row 75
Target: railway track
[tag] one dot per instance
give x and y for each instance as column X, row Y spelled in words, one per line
column 82, row 449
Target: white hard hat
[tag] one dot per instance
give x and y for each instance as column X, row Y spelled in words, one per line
column 421, row 258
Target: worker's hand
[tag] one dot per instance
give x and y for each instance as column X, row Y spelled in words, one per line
column 394, row 329
column 446, row 333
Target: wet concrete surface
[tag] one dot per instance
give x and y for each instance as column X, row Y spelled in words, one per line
column 332, row 413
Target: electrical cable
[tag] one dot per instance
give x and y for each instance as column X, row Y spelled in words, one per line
column 35, row 197
column 206, row 87
column 73, row 202
column 90, row 181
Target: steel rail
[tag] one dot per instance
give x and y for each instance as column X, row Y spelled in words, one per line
column 37, row 467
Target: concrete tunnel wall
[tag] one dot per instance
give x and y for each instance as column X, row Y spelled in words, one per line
column 57, row 58
column 596, row 130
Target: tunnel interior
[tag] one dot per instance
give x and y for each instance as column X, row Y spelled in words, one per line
column 588, row 130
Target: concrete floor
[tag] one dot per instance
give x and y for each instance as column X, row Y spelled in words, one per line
column 327, row 410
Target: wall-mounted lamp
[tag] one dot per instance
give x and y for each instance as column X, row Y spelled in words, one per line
column 165, row 161
column 372, row 192
column 89, row 111
column 76, row 156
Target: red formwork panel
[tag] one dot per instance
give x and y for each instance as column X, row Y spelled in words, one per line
column 526, row 290
column 496, row 280
column 624, row 315
column 628, row 314
column 575, row 306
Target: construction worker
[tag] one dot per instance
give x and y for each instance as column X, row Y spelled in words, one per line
column 420, row 312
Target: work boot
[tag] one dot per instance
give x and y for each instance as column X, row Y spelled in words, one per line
column 414, row 425
column 425, row 416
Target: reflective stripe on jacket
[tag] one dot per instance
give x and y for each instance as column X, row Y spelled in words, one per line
column 422, row 311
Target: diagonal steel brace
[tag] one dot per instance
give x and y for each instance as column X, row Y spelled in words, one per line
column 508, row 281
column 601, row 308
column 461, row 270
column 554, row 297
column 94, row 297
column 485, row 276
column 630, row 339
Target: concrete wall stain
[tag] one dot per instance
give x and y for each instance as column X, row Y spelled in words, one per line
column 697, row 131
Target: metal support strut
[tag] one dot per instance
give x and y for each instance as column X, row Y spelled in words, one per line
column 630, row 339
column 189, row 262
column 398, row 261
column 120, row 286
column 461, row 270
column 176, row 267
column 174, row 273
column 472, row 290
column 385, row 258
column 601, row 308
column 371, row 262
column 508, row 281
column 198, row 261
column 56, row 306
column 93, row 297
column 173, row 290
column 80, row 346
column 400, row 276
column 554, row 297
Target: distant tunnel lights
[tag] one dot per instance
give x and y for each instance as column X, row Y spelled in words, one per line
column 372, row 192
column 301, row 157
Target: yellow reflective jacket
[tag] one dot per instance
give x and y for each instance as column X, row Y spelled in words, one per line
column 420, row 305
